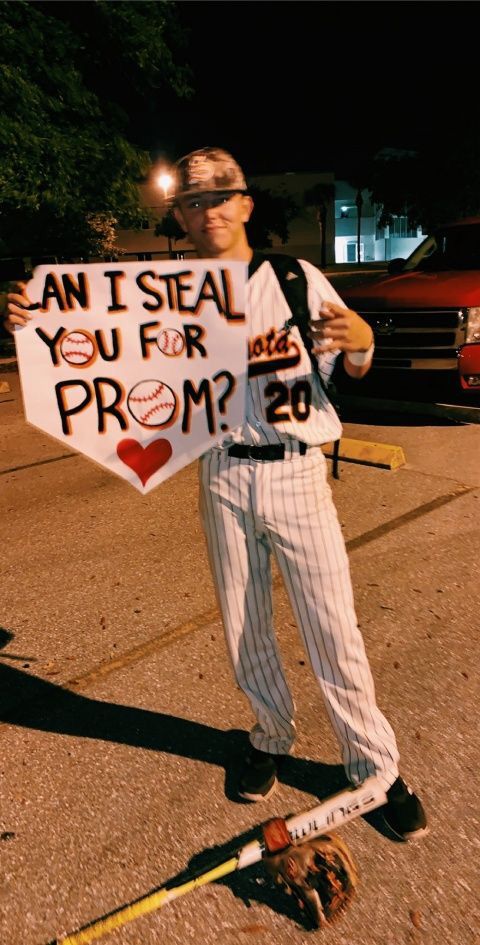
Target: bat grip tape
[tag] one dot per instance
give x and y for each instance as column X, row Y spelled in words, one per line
column 275, row 835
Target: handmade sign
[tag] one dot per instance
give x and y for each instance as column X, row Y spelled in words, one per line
column 140, row 366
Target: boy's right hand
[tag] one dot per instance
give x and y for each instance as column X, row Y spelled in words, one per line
column 15, row 312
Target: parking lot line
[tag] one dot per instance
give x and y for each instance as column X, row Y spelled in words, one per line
column 163, row 640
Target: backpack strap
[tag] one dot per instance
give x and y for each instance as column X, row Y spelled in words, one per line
column 293, row 283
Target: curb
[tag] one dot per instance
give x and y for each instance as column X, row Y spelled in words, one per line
column 367, row 453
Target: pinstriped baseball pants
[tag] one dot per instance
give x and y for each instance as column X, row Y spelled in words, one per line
column 250, row 509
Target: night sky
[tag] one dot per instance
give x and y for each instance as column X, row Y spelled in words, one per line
column 292, row 86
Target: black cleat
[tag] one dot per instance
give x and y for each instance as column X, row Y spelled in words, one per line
column 258, row 778
column 403, row 813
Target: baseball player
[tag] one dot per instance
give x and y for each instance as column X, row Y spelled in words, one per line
column 265, row 490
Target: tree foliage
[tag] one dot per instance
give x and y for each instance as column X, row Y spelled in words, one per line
column 431, row 186
column 396, row 186
column 320, row 196
column 272, row 215
column 67, row 72
column 169, row 227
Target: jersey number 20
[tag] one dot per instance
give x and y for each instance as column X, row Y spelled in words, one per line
column 298, row 399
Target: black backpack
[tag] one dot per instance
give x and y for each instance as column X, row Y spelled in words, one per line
column 295, row 291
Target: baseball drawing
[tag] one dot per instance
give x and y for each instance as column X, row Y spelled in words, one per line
column 78, row 347
column 152, row 403
column 170, row 342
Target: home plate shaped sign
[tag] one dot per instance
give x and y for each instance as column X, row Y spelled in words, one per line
column 140, row 366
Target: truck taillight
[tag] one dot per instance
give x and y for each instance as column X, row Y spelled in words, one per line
column 469, row 366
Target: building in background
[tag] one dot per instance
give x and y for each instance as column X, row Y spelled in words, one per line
column 376, row 243
column 312, row 224
column 324, row 231
column 312, row 232
column 334, row 219
column 143, row 243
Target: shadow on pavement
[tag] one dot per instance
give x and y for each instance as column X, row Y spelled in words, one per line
column 5, row 637
column 30, row 702
column 252, row 884
column 34, row 703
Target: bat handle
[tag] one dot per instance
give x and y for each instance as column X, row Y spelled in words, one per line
column 251, row 853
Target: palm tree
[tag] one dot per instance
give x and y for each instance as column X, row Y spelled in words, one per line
column 360, row 176
column 169, row 227
column 359, row 204
column 272, row 215
column 320, row 196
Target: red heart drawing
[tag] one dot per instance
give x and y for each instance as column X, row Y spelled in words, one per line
column 144, row 460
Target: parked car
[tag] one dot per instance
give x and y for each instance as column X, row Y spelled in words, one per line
column 425, row 313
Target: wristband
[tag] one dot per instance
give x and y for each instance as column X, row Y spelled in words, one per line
column 359, row 358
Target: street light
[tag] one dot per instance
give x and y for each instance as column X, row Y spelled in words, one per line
column 165, row 181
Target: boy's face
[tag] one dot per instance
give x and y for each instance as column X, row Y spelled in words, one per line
column 215, row 222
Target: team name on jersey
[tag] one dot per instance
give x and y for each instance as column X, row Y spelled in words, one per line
column 272, row 351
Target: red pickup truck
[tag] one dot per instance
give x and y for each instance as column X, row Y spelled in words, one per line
column 425, row 313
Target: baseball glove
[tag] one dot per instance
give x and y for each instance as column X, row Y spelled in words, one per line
column 319, row 872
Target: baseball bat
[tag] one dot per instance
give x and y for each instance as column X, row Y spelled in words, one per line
column 333, row 812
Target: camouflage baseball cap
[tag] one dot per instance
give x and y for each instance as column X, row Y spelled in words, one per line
column 207, row 171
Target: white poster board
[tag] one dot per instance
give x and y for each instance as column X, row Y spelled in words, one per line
column 140, row 366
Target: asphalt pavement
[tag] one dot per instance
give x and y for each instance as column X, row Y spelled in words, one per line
column 121, row 726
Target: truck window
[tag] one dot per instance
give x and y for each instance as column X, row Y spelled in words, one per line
column 455, row 247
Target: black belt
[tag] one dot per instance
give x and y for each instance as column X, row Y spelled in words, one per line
column 271, row 452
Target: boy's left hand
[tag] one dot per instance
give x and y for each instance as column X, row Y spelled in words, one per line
column 339, row 328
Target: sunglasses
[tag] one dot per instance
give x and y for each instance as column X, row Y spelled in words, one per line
column 208, row 200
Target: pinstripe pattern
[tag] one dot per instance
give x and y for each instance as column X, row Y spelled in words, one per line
column 253, row 509
column 267, row 308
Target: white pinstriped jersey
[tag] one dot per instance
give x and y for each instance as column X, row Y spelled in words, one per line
column 252, row 510
column 285, row 398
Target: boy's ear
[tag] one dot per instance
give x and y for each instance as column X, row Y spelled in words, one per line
column 247, row 207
